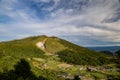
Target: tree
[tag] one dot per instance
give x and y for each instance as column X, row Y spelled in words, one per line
column 76, row 77
column 22, row 69
column 118, row 53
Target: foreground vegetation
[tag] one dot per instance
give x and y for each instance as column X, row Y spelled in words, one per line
column 21, row 71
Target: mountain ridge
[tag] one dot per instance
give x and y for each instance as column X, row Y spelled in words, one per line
column 105, row 48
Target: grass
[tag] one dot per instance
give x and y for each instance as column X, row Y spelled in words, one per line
column 53, row 46
column 98, row 76
column 13, row 51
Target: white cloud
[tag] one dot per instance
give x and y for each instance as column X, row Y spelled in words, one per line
column 46, row 1
column 86, row 22
column 56, row 2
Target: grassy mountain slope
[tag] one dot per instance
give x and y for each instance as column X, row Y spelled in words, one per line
column 53, row 45
column 12, row 51
column 65, row 57
column 67, row 51
column 79, row 55
column 74, row 54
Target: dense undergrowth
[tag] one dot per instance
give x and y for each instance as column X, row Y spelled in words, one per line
column 75, row 54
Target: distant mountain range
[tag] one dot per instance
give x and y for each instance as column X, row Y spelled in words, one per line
column 105, row 48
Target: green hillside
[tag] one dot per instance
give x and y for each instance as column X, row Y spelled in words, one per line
column 12, row 51
column 52, row 58
column 82, row 56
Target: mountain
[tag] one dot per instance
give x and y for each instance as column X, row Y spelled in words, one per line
column 107, row 52
column 105, row 48
column 50, row 57
column 38, row 45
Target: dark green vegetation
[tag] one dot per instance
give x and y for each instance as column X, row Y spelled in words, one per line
column 23, row 60
column 107, row 52
column 79, row 58
column 21, row 71
column 75, row 54
column 118, row 53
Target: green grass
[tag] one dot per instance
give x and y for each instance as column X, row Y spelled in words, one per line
column 53, row 45
column 12, row 51
column 98, row 76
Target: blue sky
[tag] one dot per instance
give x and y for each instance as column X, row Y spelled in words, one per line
column 84, row 22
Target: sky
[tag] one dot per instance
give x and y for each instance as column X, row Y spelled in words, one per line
column 83, row 22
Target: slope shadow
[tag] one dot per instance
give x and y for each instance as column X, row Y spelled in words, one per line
column 22, row 71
